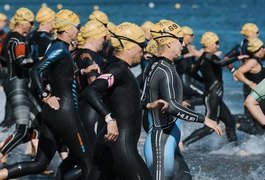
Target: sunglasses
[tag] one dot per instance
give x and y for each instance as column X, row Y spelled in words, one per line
column 169, row 35
column 217, row 43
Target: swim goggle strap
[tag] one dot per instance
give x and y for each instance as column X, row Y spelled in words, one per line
column 168, row 34
column 66, row 22
column 119, row 38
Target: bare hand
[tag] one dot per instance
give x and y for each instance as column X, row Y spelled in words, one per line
column 186, row 104
column 52, row 101
column 112, row 131
column 213, row 125
column 240, row 57
column 158, row 103
column 93, row 67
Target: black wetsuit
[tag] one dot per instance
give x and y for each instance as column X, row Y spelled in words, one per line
column 162, row 154
column 193, row 90
column 38, row 43
column 210, row 67
column 236, row 51
column 62, row 124
column 17, row 90
column 122, row 99
column 90, row 118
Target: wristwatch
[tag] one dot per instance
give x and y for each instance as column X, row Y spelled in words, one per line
column 44, row 94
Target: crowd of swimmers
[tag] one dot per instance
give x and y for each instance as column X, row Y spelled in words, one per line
column 69, row 88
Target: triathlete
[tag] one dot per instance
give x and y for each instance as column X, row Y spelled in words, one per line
column 251, row 72
column 162, row 82
column 60, row 119
column 120, row 106
column 193, row 89
column 17, row 80
column 94, row 35
column 249, row 31
column 107, row 49
column 210, row 67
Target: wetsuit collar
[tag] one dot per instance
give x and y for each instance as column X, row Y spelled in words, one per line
column 166, row 59
column 123, row 62
column 62, row 41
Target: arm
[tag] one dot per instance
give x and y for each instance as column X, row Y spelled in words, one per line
column 20, row 53
column 91, row 94
column 54, row 54
column 167, row 91
column 239, row 74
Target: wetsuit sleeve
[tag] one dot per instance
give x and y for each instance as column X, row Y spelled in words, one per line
column 141, row 84
column 258, row 93
column 101, row 84
column 167, row 91
column 194, row 71
column 54, row 53
column 20, row 53
column 222, row 62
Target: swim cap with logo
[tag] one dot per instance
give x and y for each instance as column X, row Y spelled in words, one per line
column 127, row 35
column 93, row 30
column 64, row 20
column 166, row 31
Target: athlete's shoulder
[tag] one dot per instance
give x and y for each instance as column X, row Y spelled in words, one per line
column 17, row 37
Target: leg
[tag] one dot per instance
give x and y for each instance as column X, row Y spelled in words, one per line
column 229, row 121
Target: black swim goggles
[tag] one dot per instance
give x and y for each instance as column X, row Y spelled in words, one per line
column 168, row 34
column 77, row 26
column 119, row 38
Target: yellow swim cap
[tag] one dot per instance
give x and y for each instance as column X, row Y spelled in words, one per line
column 65, row 19
column 93, row 30
column 209, row 38
column 23, row 14
column 249, row 28
column 127, row 35
column 147, row 25
column 3, row 17
column 12, row 23
column 254, row 45
column 152, row 47
column 110, row 25
column 45, row 14
column 80, row 39
column 187, row 30
column 166, row 31
column 99, row 16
